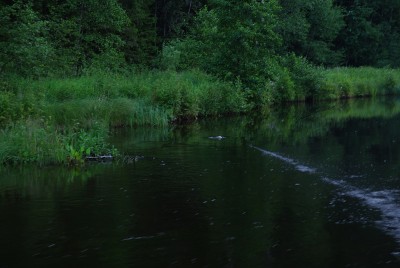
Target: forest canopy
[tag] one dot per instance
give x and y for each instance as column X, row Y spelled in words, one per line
column 228, row 39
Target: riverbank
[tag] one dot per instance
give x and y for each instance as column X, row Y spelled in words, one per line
column 63, row 120
column 359, row 82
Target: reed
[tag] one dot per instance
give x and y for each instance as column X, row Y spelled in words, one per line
column 359, row 82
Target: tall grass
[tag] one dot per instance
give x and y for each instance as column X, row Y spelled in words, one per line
column 36, row 141
column 116, row 112
column 29, row 142
column 359, row 82
column 59, row 120
column 138, row 98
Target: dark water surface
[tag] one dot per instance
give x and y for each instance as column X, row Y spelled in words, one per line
column 302, row 186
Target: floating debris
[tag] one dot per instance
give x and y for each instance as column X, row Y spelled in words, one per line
column 216, row 137
column 100, row 158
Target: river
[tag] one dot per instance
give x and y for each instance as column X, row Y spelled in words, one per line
column 298, row 186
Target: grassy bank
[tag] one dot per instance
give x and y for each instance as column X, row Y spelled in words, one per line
column 62, row 120
column 151, row 98
column 359, row 82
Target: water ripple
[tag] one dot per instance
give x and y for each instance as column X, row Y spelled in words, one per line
column 385, row 201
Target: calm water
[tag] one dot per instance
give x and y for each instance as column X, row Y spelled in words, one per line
column 302, row 186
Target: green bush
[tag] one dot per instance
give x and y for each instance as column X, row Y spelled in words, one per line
column 306, row 77
column 284, row 87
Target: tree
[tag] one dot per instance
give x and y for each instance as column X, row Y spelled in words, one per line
column 174, row 17
column 140, row 36
column 24, row 46
column 360, row 38
column 234, row 40
column 309, row 28
column 86, row 33
column 371, row 35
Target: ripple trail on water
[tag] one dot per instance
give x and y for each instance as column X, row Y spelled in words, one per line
column 385, row 201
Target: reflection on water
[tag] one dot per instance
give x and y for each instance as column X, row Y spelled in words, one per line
column 301, row 186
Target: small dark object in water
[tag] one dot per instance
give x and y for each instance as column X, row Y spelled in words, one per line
column 217, row 137
column 132, row 159
column 100, row 158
